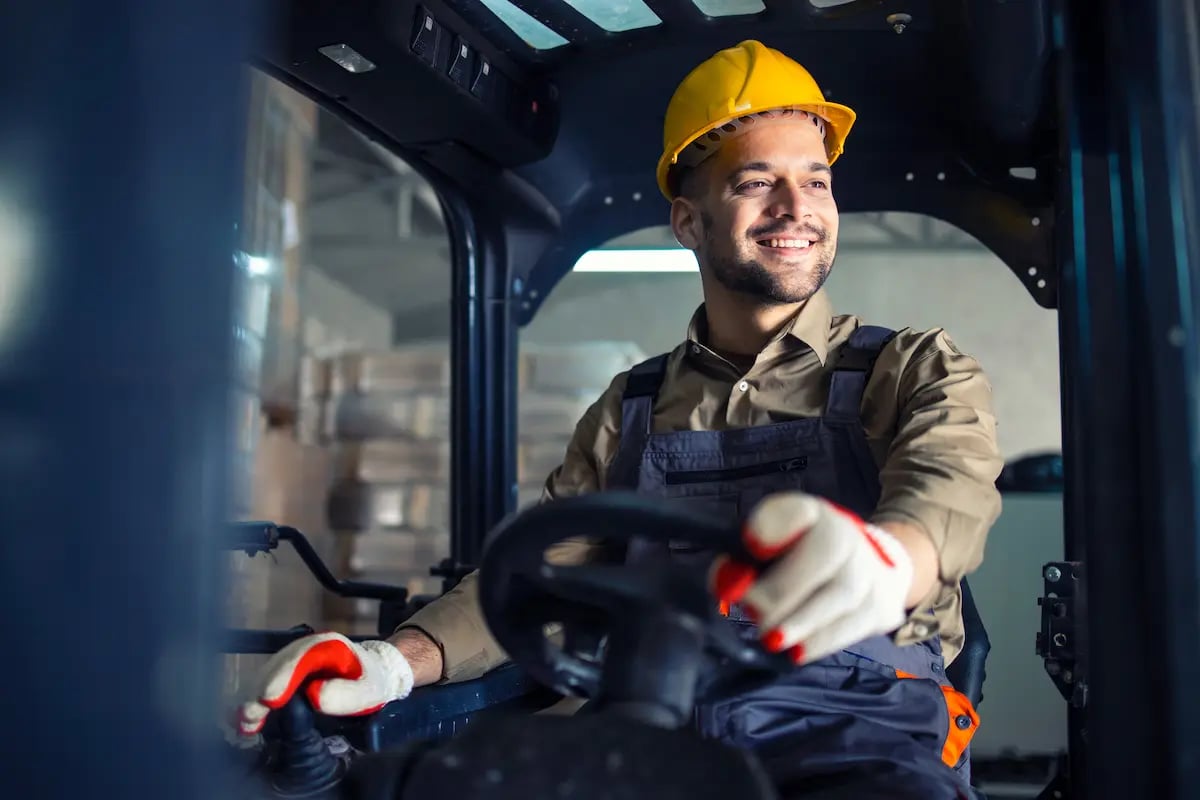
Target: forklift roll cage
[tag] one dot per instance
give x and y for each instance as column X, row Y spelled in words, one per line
column 549, row 157
column 552, row 158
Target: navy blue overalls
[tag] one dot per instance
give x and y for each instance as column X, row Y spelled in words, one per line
column 848, row 722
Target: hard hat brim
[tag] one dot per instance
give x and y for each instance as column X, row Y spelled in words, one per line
column 839, row 119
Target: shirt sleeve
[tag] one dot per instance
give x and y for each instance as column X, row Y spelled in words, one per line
column 941, row 467
column 455, row 621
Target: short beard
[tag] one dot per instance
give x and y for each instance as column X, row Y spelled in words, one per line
column 749, row 277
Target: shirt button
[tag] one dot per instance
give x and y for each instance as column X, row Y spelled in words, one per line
column 962, row 721
column 921, row 630
column 743, row 386
column 695, row 348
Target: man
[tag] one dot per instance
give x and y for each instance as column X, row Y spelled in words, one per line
column 812, row 409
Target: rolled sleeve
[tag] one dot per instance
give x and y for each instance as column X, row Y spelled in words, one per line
column 941, row 467
column 455, row 621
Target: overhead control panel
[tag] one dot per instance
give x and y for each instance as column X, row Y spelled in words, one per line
column 417, row 73
column 458, row 60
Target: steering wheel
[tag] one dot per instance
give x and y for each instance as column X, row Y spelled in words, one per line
column 636, row 638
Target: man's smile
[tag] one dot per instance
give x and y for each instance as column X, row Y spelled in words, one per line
column 787, row 247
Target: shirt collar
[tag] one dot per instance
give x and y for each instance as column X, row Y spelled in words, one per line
column 809, row 326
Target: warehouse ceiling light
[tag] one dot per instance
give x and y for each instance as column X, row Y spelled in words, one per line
column 644, row 261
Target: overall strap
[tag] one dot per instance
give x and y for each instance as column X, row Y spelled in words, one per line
column 637, row 416
column 854, row 363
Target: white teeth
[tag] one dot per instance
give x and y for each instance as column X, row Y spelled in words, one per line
column 788, row 243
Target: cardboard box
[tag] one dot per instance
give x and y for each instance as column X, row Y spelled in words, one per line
column 393, row 461
column 354, row 505
column 412, row 368
column 583, row 369
column 398, row 552
column 276, row 590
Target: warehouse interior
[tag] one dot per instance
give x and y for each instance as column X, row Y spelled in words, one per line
column 344, row 333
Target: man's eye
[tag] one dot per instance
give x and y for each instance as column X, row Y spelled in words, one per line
column 751, row 185
column 819, row 184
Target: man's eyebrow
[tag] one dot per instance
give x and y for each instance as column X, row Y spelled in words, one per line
column 753, row 166
column 763, row 166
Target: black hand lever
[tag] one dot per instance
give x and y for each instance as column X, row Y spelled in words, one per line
column 304, row 766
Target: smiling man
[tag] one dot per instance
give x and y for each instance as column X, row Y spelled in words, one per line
column 862, row 461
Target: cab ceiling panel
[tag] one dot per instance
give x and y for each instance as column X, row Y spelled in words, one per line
column 415, row 72
column 926, row 101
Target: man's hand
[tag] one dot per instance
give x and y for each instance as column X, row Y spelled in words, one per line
column 344, row 678
column 833, row 579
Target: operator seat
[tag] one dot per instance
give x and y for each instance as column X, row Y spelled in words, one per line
column 969, row 669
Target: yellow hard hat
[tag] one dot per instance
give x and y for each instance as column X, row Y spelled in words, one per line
column 725, row 92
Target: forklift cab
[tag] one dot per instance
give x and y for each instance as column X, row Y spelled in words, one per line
column 1057, row 134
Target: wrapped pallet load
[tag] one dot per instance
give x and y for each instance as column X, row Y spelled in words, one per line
column 386, row 418
column 556, row 383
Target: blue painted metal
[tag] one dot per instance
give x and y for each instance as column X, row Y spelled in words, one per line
column 120, row 156
column 1130, row 371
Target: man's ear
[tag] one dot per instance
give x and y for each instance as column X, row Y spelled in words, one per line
column 686, row 224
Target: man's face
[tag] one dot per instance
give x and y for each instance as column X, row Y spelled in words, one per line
column 760, row 213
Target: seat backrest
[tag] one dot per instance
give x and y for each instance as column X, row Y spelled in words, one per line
column 968, row 671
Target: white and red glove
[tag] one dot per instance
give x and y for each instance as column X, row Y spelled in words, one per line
column 833, row 579
column 345, row 678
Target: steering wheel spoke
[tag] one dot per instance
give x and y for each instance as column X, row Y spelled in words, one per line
column 622, row 587
column 634, row 637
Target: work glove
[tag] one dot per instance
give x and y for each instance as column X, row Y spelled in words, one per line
column 344, row 678
column 830, row 581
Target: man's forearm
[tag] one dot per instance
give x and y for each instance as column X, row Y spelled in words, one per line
column 924, row 559
column 422, row 654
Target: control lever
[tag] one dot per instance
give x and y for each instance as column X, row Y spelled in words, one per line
column 263, row 537
column 257, row 537
column 303, row 764
column 251, row 537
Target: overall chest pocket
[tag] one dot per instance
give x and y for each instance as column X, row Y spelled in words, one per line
column 729, row 492
column 784, row 466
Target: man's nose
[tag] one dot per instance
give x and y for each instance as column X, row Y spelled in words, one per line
column 789, row 200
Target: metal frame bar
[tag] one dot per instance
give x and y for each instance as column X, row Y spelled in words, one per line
column 677, row 12
column 483, row 374
column 1129, row 357
column 563, row 19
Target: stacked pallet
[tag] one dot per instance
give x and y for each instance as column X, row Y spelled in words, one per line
column 385, row 416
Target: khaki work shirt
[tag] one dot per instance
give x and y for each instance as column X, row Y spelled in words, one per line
column 927, row 413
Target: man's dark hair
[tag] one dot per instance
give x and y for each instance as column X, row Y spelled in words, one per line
column 688, row 181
